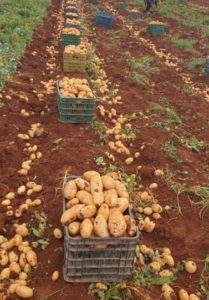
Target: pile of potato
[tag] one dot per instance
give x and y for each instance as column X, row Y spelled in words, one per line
column 71, row 14
column 73, row 22
column 16, row 259
column 72, row 49
column 75, row 88
column 95, row 205
column 71, row 31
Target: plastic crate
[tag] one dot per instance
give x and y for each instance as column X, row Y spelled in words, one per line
column 207, row 66
column 134, row 15
column 69, row 25
column 120, row 6
column 156, row 29
column 74, row 110
column 103, row 20
column 73, row 10
column 94, row 2
column 74, row 62
column 71, row 17
column 84, row 263
column 69, row 39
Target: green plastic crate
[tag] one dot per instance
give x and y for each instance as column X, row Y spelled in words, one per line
column 74, row 110
column 69, row 39
column 74, row 62
column 120, row 6
column 156, row 29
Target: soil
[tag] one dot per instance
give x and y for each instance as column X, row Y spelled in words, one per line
column 185, row 233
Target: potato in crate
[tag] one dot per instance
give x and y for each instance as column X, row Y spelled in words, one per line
column 74, row 58
column 156, row 28
column 73, row 24
column 75, row 100
column 100, row 235
column 71, row 15
column 103, row 20
column 134, row 14
column 72, row 9
column 70, row 36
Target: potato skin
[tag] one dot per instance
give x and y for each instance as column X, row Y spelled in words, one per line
column 108, row 182
column 87, row 175
column 31, row 258
column 116, row 223
column 80, row 183
column 84, row 197
column 104, row 211
column 111, row 197
column 70, row 214
column 74, row 228
column 121, row 189
column 100, row 226
column 72, row 202
column 70, row 190
column 86, row 228
column 87, row 212
column 122, row 204
column 24, row 291
column 131, row 225
column 97, row 189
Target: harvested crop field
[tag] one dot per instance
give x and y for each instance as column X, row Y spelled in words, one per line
column 155, row 87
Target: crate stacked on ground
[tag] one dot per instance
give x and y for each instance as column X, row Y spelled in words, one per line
column 74, row 58
column 156, row 28
column 71, row 9
column 100, row 235
column 71, row 15
column 207, row 66
column 75, row 101
column 70, row 36
column 120, row 6
column 134, row 14
column 103, row 20
column 73, row 24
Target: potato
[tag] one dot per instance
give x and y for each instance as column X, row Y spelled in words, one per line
column 72, row 202
column 87, row 212
column 86, row 228
column 108, row 182
column 183, row 295
column 100, row 226
column 5, row 274
column 13, row 257
column 81, row 183
column 101, row 286
column 97, row 189
column 165, row 273
column 31, row 258
column 116, row 223
column 169, row 260
column 190, row 266
column 85, row 197
column 17, row 240
column 14, row 268
column 111, row 197
column 154, row 266
column 131, row 225
column 57, row 233
column 2, row 239
column 87, row 175
column 121, row 189
column 22, row 230
column 70, row 190
column 122, row 204
column 193, row 297
column 104, row 211
column 12, row 288
column 24, row 292
column 74, row 228
column 70, row 214
column 4, row 259
column 23, row 276
column 22, row 260
column 114, row 175
column 55, row 275
column 157, row 208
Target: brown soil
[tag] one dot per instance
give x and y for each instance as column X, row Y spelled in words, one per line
column 185, row 234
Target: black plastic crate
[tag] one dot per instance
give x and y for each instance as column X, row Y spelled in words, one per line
column 134, row 15
column 207, row 66
column 84, row 263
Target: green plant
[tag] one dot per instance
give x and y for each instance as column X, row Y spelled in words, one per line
column 204, row 278
column 191, row 143
column 113, row 292
column 38, row 226
column 171, row 150
column 99, row 161
column 198, row 62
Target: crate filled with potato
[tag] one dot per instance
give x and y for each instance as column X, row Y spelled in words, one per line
column 75, row 100
column 71, row 15
column 100, row 235
column 71, row 8
column 70, row 36
column 74, row 58
column 156, row 28
column 73, row 24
